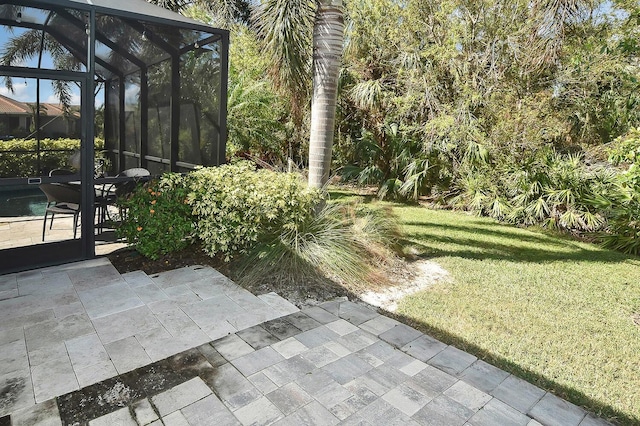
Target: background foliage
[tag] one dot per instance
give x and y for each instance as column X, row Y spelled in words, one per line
column 54, row 154
column 503, row 108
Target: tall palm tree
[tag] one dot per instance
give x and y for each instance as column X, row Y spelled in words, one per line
column 327, row 52
column 303, row 39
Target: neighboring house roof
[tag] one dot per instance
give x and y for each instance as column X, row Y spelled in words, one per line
column 10, row 106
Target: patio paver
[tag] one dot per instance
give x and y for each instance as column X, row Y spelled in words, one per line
column 336, row 363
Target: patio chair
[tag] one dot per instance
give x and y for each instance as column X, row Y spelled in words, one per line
column 108, row 194
column 60, row 172
column 61, row 199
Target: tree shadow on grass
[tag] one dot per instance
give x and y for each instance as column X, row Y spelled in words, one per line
column 483, row 240
column 499, row 242
column 571, row 394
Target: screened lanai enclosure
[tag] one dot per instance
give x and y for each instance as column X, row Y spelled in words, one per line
column 93, row 94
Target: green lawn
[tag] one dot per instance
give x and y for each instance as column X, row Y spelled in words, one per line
column 554, row 311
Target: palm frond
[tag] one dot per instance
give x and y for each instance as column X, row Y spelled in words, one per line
column 367, row 94
column 285, row 29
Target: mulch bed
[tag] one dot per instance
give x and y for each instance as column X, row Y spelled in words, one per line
column 306, row 293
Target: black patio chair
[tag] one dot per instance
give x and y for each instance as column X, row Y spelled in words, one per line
column 60, row 172
column 108, row 194
column 61, row 199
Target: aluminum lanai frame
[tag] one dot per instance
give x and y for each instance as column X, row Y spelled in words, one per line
column 169, row 36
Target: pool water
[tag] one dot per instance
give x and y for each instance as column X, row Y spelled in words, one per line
column 22, row 202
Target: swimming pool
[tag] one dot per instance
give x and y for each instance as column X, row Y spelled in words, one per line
column 22, row 201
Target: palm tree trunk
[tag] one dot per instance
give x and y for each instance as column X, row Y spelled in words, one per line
column 328, row 34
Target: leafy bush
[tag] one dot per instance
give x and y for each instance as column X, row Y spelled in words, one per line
column 54, row 154
column 238, row 206
column 282, row 226
column 158, row 218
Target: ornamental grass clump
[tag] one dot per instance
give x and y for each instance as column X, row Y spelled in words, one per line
column 273, row 223
column 346, row 242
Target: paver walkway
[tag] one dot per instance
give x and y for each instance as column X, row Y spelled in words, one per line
column 80, row 344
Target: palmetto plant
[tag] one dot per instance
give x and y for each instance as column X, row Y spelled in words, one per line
column 554, row 190
column 547, row 189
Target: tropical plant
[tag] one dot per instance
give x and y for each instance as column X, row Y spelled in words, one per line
column 157, row 217
column 292, row 33
column 302, row 41
column 621, row 203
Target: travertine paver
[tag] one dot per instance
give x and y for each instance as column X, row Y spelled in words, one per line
column 78, row 324
column 400, row 335
column 289, row 398
column 289, row 347
column 336, row 363
column 483, row 376
column 303, row 321
column 181, row 396
column 320, row 315
column 281, row 328
column 208, row 411
column 452, row 360
column 53, row 378
column 43, row 414
column 379, row 325
column 259, row 412
column 316, row 337
column 472, row 398
column 496, row 412
column 554, row 411
column 407, row 398
column 144, row 412
column 354, row 313
column 120, row 418
column 443, row 411
column 127, row 354
column 518, row 393
column 258, row 337
column 424, row 348
column 232, row 347
column 256, row 361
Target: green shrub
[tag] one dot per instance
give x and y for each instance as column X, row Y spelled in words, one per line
column 54, row 154
column 238, row 206
column 281, row 226
column 158, row 217
column 621, row 204
column 546, row 188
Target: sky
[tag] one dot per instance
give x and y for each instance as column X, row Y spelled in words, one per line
column 24, row 89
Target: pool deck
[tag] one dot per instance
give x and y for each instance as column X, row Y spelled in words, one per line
column 82, row 344
column 27, row 231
